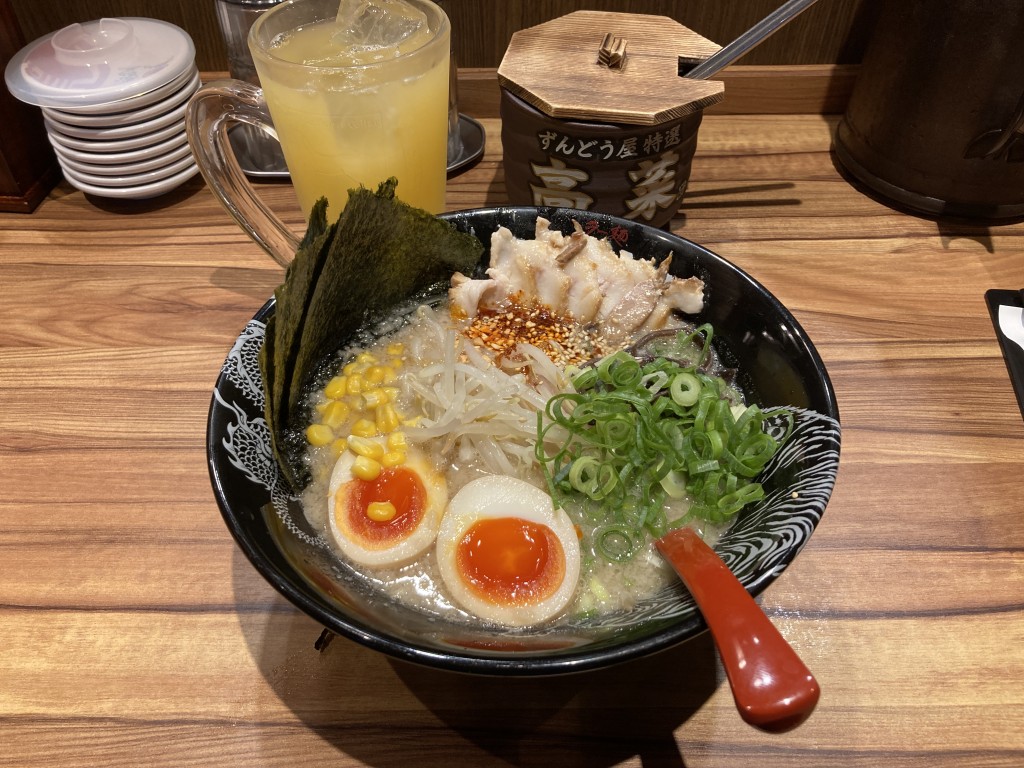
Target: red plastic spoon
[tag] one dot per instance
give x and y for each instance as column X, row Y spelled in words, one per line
column 773, row 689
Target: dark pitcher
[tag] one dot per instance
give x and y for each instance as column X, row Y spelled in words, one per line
column 936, row 118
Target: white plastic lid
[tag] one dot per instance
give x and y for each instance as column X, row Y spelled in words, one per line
column 99, row 62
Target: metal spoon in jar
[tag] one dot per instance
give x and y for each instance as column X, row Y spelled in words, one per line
column 757, row 34
column 773, row 689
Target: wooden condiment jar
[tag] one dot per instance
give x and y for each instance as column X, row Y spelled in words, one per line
column 595, row 115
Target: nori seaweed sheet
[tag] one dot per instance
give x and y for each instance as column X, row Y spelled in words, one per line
column 378, row 253
column 284, row 328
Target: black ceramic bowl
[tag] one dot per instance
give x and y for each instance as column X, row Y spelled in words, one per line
column 753, row 331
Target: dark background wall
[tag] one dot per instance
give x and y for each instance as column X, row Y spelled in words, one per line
column 830, row 32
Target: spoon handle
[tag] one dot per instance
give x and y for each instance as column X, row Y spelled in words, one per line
column 773, row 689
column 757, row 34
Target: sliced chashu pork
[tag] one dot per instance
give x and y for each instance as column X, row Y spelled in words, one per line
column 521, row 272
column 579, row 276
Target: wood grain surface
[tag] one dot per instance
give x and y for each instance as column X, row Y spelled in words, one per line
column 134, row 633
column 645, row 89
column 749, row 90
column 832, row 32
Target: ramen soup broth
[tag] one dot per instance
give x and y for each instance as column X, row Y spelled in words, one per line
column 409, row 346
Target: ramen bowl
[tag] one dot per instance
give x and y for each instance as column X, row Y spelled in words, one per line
column 754, row 333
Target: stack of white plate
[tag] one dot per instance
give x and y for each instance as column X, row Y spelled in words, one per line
column 113, row 94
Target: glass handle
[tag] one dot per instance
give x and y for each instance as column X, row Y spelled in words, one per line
column 211, row 112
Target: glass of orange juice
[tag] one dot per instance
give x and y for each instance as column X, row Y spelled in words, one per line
column 356, row 92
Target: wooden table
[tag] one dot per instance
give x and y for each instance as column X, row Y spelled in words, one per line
column 133, row 632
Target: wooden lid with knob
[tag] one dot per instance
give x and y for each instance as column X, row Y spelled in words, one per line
column 609, row 67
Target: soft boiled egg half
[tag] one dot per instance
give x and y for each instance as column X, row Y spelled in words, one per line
column 506, row 554
column 412, row 496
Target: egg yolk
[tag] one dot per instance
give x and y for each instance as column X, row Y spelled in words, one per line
column 511, row 561
column 399, row 485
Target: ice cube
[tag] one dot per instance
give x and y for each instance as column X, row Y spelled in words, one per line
column 380, row 28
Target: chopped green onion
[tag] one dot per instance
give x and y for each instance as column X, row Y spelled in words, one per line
column 585, row 379
column 589, row 476
column 674, row 484
column 633, row 435
column 654, row 381
column 685, row 389
column 614, row 542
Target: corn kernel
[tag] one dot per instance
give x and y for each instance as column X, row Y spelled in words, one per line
column 396, row 441
column 374, row 397
column 362, row 446
column 386, row 418
column 381, row 511
column 338, row 447
column 390, row 373
column 396, row 348
column 336, row 387
column 364, row 428
column 392, row 393
column 392, row 459
column 365, row 468
column 375, row 374
column 355, row 384
column 366, row 357
column 335, row 413
column 413, row 422
column 319, row 434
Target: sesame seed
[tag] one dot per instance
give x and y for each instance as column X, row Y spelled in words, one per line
column 562, row 338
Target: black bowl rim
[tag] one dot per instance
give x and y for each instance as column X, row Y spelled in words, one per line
column 513, row 664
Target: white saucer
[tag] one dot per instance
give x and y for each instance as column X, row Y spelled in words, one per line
column 127, row 180
column 140, row 192
column 106, row 120
column 136, row 102
column 123, row 169
column 120, row 158
column 119, row 145
column 121, row 131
